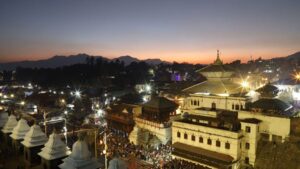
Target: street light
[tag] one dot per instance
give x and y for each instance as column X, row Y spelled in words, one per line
column 77, row 94
column 245, row 84
column 297, row 76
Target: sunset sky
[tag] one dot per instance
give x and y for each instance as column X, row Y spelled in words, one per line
column 172, row 30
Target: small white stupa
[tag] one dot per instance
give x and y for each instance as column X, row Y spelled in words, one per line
column 54, row 151
column 80, row 157
column 10, row 124
column 33, row 142
column 20, row 130
column 3, row 118
column 34, row 137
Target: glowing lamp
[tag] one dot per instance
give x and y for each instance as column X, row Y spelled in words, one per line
column 245, row 84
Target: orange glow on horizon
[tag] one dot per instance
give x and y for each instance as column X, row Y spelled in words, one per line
column 180, row 57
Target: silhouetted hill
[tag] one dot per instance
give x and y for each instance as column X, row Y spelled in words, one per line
column 126, row 59
column 55, row 61
column 294, row 56
column 59, row 61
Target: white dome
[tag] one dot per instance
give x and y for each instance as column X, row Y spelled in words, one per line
column 20, row 130
column 10, row 124
column 80, row 151
column 55, row 148
column 80, row 158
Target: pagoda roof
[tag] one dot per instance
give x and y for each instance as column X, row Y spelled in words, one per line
column 268, row 88
column 216, row 68
column 35, row 137
column 10, row 124
column 20, row 130
column 271, row 104
column 216, row 87
column 157, row 102
column 54, row 148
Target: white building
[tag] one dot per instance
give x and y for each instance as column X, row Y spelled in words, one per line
column 220, row 127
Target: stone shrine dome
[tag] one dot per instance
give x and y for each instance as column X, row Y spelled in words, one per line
column 54, row 148
column 20, row 130
column 80, row 157
column 10, row 124
column 35, row 137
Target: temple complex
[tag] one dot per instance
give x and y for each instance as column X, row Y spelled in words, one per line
column 220, row 127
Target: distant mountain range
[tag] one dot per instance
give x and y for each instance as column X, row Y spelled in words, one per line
column 59, row 61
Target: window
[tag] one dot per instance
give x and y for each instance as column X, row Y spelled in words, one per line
column 193, row 138
column 178, row 134
column 247, row 146
column 209, row 141
column 227, row 145
column 195, row 102
column 185, row 136
column 247, row 160
column 218, row 143
column 198, row 102
column 237, row 107
column 241, row 107
column 213, row 106
column 232, row 107
column 240, row 145
column 201, row 139
column 191, row 102
column 248, row 129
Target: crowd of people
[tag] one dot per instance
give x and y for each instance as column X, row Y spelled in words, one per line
column 157, row 157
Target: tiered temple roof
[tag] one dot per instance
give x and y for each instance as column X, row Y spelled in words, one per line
column 20, row 130
column 10, row 124
column 55, row 148
column 3, row 118
column 80, row 157
column 219, row 81
column 35, row 137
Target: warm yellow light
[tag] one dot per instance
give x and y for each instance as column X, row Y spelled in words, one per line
column 12, row 95
column 63, row 100
column 297, row 76
column 22, row 103
column 245, row 84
